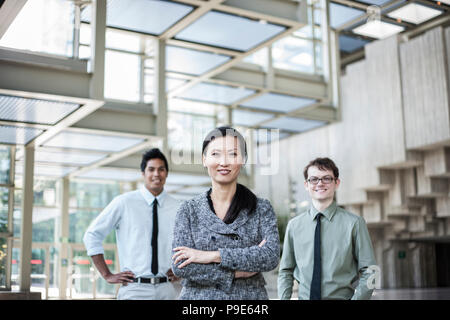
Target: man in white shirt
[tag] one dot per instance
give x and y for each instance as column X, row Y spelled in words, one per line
column 144, row 235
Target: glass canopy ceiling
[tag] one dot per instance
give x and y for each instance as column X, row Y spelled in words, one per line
column 146, row 16
column 208, row 41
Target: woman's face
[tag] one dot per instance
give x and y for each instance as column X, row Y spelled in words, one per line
column 223, row 159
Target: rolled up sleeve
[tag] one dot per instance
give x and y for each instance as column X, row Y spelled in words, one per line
column 363, row 253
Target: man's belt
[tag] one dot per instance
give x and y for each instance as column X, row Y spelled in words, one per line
column 155, row 280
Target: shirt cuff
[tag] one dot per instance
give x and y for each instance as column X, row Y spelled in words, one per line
column 95, row 250
column 227, row 260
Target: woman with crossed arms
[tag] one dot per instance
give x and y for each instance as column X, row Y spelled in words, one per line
column 225, row 237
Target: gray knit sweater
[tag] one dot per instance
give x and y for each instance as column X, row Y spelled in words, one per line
column 196, row 226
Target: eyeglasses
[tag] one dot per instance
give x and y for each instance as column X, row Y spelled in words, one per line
column 325, row 180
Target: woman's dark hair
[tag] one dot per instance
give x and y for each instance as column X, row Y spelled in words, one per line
column 322, row 164
column 154, row 153
column 244, row 198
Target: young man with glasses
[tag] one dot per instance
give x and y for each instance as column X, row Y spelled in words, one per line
column 326, row 249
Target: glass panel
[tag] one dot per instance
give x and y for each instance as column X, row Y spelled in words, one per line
column 378, row 29
column 46, row 170
column 293, row 54
column 229, row 31
column 122, row 76
column 92, row 195
column 277, row 102
column 79, row 221
column 192, row 107
column 186, row 132
column 4, row 199
column 187, row 179
column 147, row 16
column 171, row 83
column 260, row 57
column 350, row 44
column 85, row 34
column 105, row 289
column 414, row 13
column 43, row 26
column 375, row 2
column 38, row 271
column 84, row 52
column 112, row 174
column 293, row 124
column 192, row 61
column 340, row 14
column 249, row 118
column 67, row 157
column 18, row 135
column 96, row 142
column 3, row 261
column 5, row 155
column 82, row 275
column 215, row 93
column 319, row 57
column 20, row 109
column 127, row 41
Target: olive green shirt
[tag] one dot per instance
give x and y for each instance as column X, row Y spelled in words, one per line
column 346, row 252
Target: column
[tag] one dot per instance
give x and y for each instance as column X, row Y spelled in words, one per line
column 160, row 100
column 27, row 221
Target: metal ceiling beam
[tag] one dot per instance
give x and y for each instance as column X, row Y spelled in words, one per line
column 284, row 83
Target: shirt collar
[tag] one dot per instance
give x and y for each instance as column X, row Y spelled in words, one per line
column 328, row 212
column 149, row 197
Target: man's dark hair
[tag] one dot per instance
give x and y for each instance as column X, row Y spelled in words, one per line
column 322, row 164
column 154, row 153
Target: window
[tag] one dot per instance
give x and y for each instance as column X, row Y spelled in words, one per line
column 43, row 26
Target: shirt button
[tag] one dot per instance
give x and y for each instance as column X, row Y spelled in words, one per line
column 213, row 238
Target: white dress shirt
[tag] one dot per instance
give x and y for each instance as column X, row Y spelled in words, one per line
column 130, row 214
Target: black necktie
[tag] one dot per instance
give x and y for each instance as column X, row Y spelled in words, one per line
column 315, row 293
column 155, row 238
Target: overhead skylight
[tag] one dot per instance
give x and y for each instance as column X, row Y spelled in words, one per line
column 378, row 29
column 76, row 140
column 68, row 157
column 186, row 179
column 229, row 31
column 414, row 13
column 46, row 170
column 277, row 102
column 20, row 109
column 18, row 135
column 215, row 93
column 192, row 62
column 350, row 44
column 249, row 118
column 340, row 14
column 293, row 124
column 116, row 174
column 146, row 16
